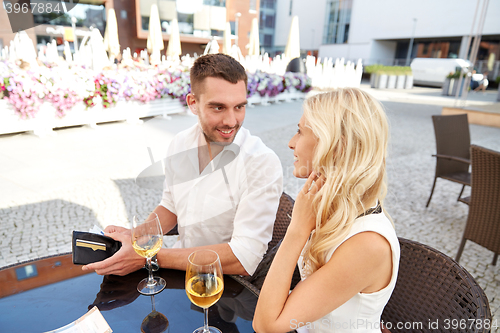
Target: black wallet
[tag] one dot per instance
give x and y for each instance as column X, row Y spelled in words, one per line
column 89, row 247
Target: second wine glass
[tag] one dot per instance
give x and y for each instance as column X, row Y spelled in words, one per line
column 147, row 239
column 204, row 283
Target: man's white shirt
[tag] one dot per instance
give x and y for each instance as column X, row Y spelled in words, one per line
column 233, row 200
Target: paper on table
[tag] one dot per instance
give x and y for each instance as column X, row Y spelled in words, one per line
column 91, row 322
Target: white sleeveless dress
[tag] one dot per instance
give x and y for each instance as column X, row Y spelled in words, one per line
column 362, row 312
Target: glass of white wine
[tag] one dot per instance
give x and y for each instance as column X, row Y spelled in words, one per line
column 204, row 283
column 147, row 239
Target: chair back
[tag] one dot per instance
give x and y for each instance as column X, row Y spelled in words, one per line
column 452, row 139
column 483, row 221
column 283, row 218
column 433, row 288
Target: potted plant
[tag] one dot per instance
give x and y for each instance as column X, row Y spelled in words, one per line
column 392, row 76
column 381, row 79
column 408, row 78
column 449, row 83
column 372, row 70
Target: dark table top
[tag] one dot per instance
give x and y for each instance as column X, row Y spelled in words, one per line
column 57, row 304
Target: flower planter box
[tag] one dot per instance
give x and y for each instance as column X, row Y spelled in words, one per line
column 446, row 87
column 381, row 82
column 254, row 99
column 400, row 82
column 450, row 87
column 409, row 82
column 287, row 96
column 46, row 118
column 373, row 80
column 391, row 82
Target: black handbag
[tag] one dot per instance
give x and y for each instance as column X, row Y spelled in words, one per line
column 89, row 247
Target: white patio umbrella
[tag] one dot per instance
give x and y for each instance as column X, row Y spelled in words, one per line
column 174, row 50
column 24, row 48
column 111, row 40
column 155, row 36
column 254, row 44
column 67, row 52
column 99, row 56
column 292, row 49
column 236, row 53
column 51, row 53
column 212, row 47
column 226, row 40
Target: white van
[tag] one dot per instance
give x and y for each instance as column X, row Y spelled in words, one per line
column 433, row 71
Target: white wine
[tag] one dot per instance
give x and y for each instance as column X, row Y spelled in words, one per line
column 204, row 290
column 147, row 247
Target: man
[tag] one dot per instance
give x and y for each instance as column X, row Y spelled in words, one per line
column 222, row 185
column 483, row 84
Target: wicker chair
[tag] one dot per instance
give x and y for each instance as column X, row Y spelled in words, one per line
column 433, row 287
column 452, row 150
column 483, row 221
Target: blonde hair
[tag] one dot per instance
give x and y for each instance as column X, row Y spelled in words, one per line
column 352, row 132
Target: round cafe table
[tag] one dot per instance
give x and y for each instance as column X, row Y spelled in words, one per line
column 49, row 293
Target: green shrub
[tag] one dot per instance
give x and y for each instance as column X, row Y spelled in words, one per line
column 388, row 70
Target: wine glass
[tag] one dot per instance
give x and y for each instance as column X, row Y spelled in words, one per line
column 204, row 283
column 147, row 239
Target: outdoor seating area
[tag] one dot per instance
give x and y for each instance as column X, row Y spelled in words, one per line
column 440, row 226
column 144, row 146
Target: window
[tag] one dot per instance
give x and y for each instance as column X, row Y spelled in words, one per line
column 253, row 5
column 269, row 21
column 86, row 16
column 267, row 4
column 338, row 18
column 268, row 40
column 233, row 27
column 266, row 21
column 217, row 3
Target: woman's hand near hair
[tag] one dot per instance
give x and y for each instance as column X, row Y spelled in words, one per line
column 304, row 216
column 275, row 290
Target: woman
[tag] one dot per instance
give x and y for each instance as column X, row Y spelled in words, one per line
column 345, row 245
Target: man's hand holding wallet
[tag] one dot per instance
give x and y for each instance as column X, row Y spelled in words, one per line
column 114, row 260
column 90, row 247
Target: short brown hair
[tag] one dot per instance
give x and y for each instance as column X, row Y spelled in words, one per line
column 216, row 65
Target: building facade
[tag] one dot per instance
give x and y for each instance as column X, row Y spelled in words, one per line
column 198, row 21
column 380, row 31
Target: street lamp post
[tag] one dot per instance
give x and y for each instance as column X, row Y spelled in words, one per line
column 236, row 27
column 312, row 41
column 410, row 47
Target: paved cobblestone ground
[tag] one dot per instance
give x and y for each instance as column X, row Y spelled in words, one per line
column 81, row 177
